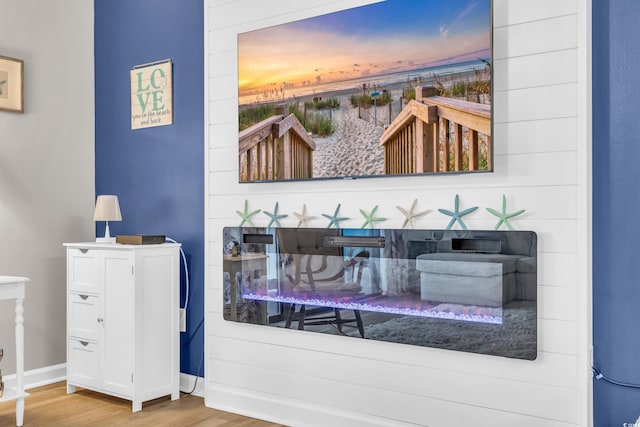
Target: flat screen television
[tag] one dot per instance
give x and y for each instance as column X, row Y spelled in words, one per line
column 399, row 87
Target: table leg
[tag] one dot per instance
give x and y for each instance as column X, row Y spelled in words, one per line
column 20, row 412
column 19, row 361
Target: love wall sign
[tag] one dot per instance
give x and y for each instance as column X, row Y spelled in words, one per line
column 151, row 95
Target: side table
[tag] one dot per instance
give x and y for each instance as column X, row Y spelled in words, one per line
column 13, row 288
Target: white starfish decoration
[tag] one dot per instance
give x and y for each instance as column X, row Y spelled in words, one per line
column 410, row 215
column 303, row 218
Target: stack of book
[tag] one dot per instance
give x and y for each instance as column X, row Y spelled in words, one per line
column 140, row 239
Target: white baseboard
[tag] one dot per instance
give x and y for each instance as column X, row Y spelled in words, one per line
column 285, row 411
column 187, row 383
column 39, row 377
column 56, row 373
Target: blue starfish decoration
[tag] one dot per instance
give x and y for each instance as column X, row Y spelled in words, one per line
column 335, row 219
column 457, row 215
column 275, row 218
column 369, row 217
column 246, row 215
column 504, row 216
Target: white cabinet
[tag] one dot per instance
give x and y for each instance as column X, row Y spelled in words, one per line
column 123, row 320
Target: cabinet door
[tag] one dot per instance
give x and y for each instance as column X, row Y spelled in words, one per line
column 117, row 289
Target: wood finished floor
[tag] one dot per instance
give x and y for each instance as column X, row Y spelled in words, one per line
column 51, row 406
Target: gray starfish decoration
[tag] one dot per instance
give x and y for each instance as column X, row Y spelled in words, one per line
column 275, row 218
column 334, row 219
column 504, row 216
column 410, row 215
column 457, row 215
column 303, row 218
column 370, row 218
column 246, row 215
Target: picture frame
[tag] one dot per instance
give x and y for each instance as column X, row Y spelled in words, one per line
column 392, row 88
column 11, row 84
column 152, row 94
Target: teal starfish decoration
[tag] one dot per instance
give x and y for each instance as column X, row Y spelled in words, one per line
column 410, row 215
column 246, row 215
column 370, row 218
column 275, row 218
column 334, row 219
column 504, row 216
column 303, row 218
column 456, row 215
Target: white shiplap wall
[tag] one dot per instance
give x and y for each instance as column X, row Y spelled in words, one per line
column 542, row 146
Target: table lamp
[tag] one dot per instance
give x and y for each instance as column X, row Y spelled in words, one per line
column 107, row 209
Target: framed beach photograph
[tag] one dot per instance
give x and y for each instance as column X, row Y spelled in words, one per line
column 399, row 87
column 11, row 84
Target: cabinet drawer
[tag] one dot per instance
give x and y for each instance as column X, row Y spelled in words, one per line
column 83, row 362
column 82, row 270
column 83, row 317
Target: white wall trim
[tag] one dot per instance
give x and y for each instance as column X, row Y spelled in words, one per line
column 207, row 169
column 57, row 373
column 39, row 377
column 585, row 238
column 187, row 382
column 288, row 411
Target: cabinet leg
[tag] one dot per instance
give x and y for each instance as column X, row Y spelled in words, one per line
column 175, row 395
column 136, row 406
column 71, row 388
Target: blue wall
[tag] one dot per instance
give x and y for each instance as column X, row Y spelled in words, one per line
column 157, row 173
column 616, row 208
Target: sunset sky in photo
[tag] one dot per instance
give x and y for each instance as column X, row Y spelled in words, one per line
column 386, row 37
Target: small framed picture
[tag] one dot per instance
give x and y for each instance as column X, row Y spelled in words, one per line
column 11, row 84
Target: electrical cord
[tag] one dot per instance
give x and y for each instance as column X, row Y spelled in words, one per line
column 186, row 276
column 187, row 342
column 600, row 376
column 186, row 304
column 195, row 383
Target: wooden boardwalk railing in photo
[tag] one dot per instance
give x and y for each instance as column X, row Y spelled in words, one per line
column 277, row 148
column 413, row 144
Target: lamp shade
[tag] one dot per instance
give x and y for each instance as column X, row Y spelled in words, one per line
column 107, row 209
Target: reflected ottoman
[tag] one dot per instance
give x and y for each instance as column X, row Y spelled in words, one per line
column 468, row 278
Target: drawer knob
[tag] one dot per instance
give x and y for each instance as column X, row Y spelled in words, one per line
column 84, row 343
column 100, row 320
column 84, row 297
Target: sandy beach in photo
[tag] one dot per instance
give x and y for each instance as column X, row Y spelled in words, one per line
column 353, row 149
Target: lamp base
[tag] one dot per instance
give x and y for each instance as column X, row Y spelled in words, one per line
column 105, row 239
